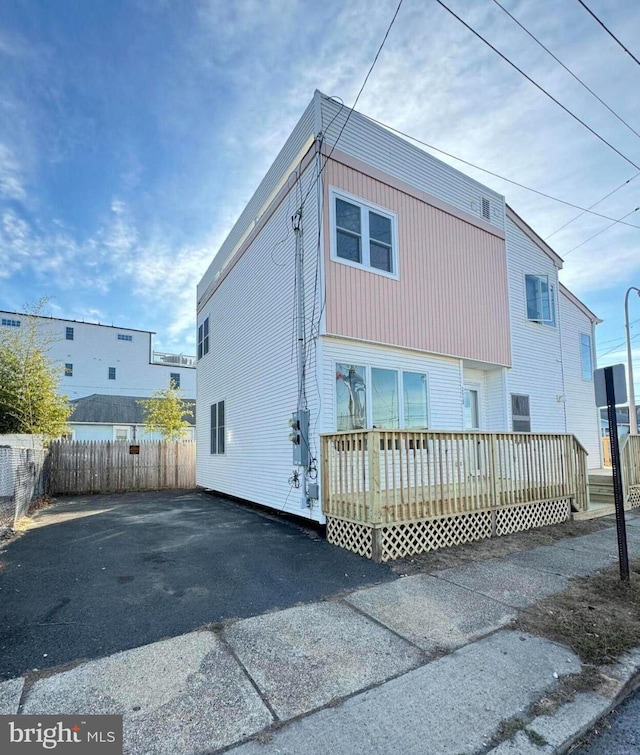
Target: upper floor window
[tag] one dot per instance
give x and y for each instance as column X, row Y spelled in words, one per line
column 68, row 370
column 586, row 357
column 203, row 338
column 174, row 379
column 124, row 337
column 112, row 373
column 69, row 334
column 10, row 323
column 363, row 235
column 540, row 300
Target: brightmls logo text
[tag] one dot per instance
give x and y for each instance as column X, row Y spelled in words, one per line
column 61, row 734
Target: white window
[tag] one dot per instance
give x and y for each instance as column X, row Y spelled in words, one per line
column 112, row 373
column 520, row 414
column 69, row 334
column 124, row 337
column 174, row 379
column 586, row 356
column 10, row 323
column 363, row 235
column 370, row 397
column 471, row 409
column 120, row 433
column 540, row 299
column 203, row 338
column 68, row 369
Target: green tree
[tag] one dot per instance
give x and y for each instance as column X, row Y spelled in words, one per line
column 165, row 412
column 30, row 401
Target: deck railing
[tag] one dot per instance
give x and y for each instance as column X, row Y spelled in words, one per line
column 393, row 477
column 630, row 463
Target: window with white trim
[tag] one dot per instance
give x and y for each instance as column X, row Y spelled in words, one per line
column 69, row 334
column 368, row 396
column 540, row 300
column 174, row 379
column 10, row 323
column 120, row 432
column 586, row 356
column 112, row 373
column 217, row 428
column 125, row 337
column 520, row 413
column 68, row 369
column 363, row 235
column 203, row 338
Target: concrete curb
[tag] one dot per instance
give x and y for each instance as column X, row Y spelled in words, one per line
column 557, row 733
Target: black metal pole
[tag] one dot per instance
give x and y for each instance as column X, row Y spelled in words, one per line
column 618, row 492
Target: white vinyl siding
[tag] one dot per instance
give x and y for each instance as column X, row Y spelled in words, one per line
column 252, row 366
column 443, row 387
column 582, row 415
column 535, row 349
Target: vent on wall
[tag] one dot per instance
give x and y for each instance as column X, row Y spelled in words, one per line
column 486, row 208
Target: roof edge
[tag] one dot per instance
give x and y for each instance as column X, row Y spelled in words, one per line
column 513, row 216
column 581, row 306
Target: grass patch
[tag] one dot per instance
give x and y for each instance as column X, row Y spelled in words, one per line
column 598, row 616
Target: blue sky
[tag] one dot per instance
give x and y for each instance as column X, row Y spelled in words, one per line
column 133, row 132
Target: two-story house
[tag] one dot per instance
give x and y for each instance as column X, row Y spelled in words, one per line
column 368, row 285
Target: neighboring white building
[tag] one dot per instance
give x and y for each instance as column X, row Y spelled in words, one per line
column 426, row 302
column 109, row 360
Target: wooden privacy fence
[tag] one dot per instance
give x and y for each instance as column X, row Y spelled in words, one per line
column 110, row 467
column 391, row 493
column 630, row 463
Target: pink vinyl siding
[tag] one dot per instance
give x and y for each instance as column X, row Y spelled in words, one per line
column 451, row 296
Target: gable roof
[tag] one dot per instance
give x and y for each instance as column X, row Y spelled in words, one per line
column 115, row 410
column 513, row 216
column 582, row 307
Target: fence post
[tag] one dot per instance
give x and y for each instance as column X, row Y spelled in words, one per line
column 375, row 495
column 493, row 482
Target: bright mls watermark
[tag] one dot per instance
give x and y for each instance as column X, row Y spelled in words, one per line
column 76, row 735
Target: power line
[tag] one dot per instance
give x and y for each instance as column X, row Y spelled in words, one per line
column 580, row 214
column 355, row 102
column 610, row 340
column 538, row 86
column 497, row 175
column 566, row 254
column 566, row 68
column 609, row 32
column 615, row 348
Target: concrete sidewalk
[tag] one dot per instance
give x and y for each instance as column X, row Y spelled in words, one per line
column 423, row 664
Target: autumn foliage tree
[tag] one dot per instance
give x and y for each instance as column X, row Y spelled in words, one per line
column 165, row 412
column 30, row 401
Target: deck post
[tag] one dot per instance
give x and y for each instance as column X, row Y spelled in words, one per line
column 375, row 494
column 493, row 482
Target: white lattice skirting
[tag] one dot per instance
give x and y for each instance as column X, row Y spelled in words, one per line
column 633, row 499
column 391, row 541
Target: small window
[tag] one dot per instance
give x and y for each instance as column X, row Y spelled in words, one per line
column 364, row 235
column 486, row 209
column 112, row 373
column 416, row 407
column 10, row 323
column 351, row 397
column 520, row 416
column 69, row 334
column 68, row 370
column 540, row 300
column 120, row 433
column 174, row 379
column 124, row 337
column 203, row 338
column 217, row 428
column 586, row 357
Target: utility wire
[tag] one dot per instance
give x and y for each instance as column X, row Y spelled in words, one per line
column 582, row 243
column 497, row 175
column 566, row 68
column 580, row 214
column 611, row 340
column 538, row 86
column 355, row 102
column 620, row 345
column 609, row 32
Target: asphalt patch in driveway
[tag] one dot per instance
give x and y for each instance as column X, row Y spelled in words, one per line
column 100, row 574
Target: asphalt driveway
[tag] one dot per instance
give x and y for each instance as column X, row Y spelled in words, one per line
column 99, row 574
